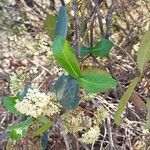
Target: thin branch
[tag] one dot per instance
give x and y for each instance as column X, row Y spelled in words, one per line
column 62, row 2
column 130, row 57
column 109, row 19
column 91, row 36
column 39, row 65
column 99, row 16
column 92, row 147
column 77, row 145
column 64, row 135
column 90, row 22
column 105, row 133
column 84, row 145
column 111, row 144
column 91, row 32
column 52, row 4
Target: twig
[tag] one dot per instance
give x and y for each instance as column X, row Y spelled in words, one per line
column 111, row 144
column 109, row 18
column 62, row 2
column 147, row 80
column 91, row 36
column 38, row 65
column 64, row 136
column 77, row 145
column 52, row 4
column 99, row 16
column 105, row 133
column 40, row 7
column 91, row 33
column 122, row 49
column 4, row 135
column 39, row 76
column 77, row 28
column 84, row 145
column 92, row 147
column 90, row 24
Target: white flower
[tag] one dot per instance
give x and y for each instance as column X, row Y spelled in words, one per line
column 37, row 103
column 17, row 81
column 100, row 115
column 86, row 96
column 90, row 136
column 73, row 122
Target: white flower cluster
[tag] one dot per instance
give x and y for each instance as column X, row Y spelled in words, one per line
column 16, row 81
column 73, row 122
column 86, row 96
column 37, row 103
column 90, row 136
column 100, row 115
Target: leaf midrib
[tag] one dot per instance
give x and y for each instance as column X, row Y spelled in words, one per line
column 70, row 64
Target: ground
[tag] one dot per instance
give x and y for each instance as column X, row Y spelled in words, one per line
column 27, row 56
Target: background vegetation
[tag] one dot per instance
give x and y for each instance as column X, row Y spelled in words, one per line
column 26, row 42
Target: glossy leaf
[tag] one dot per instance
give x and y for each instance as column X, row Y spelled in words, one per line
column 143, row 55
column 147, row 125
column 124, row 100
column 45, row 125
column 96, row 81
column 61, row 24
column 9, row 103
column 102, row 48
column 44, row 141
column 85, row 51
column 49, row 25
column 67, row 91
column 19, row 130
column 63, row 53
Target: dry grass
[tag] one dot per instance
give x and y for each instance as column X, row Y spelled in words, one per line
column 25, row 46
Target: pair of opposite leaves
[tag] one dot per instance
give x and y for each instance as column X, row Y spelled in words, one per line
column 92, row 80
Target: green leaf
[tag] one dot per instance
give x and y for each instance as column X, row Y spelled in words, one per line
column 61, row 25
column 44, row 141
column 9, row 103
column 96, row 81
column 63, row 53
column 18, row 130
column 143, row 55
column 49, row 25
column 85, row 51
column 102, row 48
column 67, row 92
column 124, row 100
column 147, row 125
column 45, row 125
